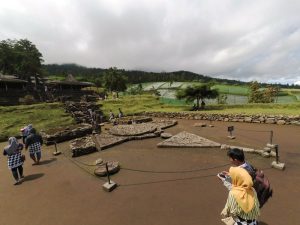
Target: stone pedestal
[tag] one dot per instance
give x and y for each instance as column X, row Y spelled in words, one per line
column 279, row 166
column 109, row 186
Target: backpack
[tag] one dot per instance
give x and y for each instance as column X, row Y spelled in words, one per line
column 261, row 185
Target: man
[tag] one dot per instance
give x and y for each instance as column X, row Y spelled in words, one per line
column 237, row 158
column 34, row 142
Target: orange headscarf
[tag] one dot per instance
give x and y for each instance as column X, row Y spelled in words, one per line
column 242, row 188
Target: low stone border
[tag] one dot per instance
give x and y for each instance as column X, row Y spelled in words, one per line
column 268, row 119
column 66, row 134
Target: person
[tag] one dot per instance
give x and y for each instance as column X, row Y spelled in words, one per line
column 111, row 115
column 260, row 181
column 242, row 205
column 120, row 113
column 34, row 142
column 14, row 158
column 237, row 158
column 202, row 104
column 25, row 131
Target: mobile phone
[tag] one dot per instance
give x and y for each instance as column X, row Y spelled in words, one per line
column 221, row 175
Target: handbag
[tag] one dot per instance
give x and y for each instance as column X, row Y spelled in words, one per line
column 23, row 158
column 228, row 220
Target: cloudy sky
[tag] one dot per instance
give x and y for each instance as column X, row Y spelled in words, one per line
column 234, row 39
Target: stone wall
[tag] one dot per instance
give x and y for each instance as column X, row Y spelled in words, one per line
column 268, row 119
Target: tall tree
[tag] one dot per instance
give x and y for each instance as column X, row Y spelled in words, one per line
column 197, row 92
column 20, row 57
column 114, row 80
column 262, row 96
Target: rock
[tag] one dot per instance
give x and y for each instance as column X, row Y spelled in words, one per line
column 166, row 135
column 270, row 121
column 265, row 154
column 281, row 122
column 200, row 125
column 279, row 166
column 99, row 161
column 248, row 119
column 82, row 146
column 113, row 167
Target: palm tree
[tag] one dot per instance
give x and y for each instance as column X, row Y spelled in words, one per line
column 198, row 92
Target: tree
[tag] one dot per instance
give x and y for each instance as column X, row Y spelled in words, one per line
column 262, row 96
column 20, row 57
column 114, row 80
column 197, row 92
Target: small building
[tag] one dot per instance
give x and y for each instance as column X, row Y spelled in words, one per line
column 11, row 83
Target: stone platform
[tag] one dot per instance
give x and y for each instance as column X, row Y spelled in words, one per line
column 189, row 140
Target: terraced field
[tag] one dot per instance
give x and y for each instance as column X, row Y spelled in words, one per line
column 236, row 94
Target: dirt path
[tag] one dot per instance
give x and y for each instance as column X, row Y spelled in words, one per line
column 59, row 192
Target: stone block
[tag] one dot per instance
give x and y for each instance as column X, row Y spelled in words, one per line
column 281, row 122
column 279, row 166
column 109, row 186
column 200, row 125
column 265, row 154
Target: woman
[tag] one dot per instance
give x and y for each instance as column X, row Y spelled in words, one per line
column 34, row 142
column 15, row 162
column 242, row 203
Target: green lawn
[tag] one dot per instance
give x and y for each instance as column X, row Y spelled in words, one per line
column 41, row 116
column 49, row 115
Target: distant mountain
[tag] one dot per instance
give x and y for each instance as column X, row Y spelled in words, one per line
column 137, row 76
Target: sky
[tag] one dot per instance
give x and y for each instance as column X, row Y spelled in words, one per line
column 234, row 39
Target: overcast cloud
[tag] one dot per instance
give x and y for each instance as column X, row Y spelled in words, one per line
column 234, row 39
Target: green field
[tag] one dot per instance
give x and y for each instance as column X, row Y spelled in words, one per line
column 236, row 94
column 49, row 115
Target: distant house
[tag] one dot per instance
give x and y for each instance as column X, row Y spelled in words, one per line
column 69, row 84
column 11, row 83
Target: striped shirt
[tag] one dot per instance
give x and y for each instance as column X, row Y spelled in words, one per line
column 233, row 208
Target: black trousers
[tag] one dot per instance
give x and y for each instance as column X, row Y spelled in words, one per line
column 15, row 172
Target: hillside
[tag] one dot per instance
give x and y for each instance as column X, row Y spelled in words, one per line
column 136, row 76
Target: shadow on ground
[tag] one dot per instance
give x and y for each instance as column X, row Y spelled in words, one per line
column 47, row 161
column 33, row 177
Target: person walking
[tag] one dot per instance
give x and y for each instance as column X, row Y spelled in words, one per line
column 14, row 158
column 121, row 114
column 111, row 115
column 242, row 206
column 34, row 142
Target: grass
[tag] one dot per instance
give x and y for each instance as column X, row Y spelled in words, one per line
column 131, row 104
column 51, row 115
column 41, row 116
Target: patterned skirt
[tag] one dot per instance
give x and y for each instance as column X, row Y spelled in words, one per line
column 240, row 221
column 34, row 148
column 14, row 161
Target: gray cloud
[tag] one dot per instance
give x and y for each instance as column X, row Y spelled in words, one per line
column 247, row 40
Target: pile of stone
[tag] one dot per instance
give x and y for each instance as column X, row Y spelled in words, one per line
column 188, row 140
column 268, row 119
column 133, row 119
column 62, row 134
column 82, row 146
column 81, row 111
